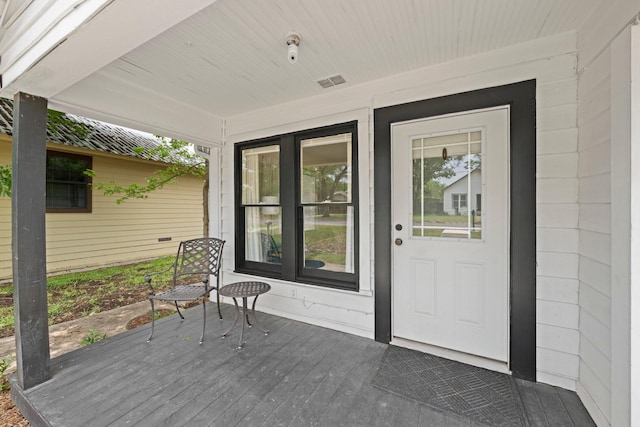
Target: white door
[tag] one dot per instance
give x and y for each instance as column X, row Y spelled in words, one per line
column 450, row 218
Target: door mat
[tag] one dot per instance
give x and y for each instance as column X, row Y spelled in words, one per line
column 482, row 396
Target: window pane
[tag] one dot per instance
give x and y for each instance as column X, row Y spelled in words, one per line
column 447, row 185
column 326, row 169
column 67, row 185
column 329, row 238
column 261, row 175
column 263, row 237
column 66, row 196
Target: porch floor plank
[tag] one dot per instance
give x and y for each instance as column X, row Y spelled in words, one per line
column 299, row 374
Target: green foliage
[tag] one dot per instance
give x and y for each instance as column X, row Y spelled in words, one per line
column 326, row 243
column 69, row 291
column 58, row 119
column 180, row 158
column 5, row 181
column 6, row 317
column 92, row 336
column 4, row 365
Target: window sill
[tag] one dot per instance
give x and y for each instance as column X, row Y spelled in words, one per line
column 315, row 284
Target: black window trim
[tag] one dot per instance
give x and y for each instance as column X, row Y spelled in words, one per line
column 89, row 192
column 292, row 268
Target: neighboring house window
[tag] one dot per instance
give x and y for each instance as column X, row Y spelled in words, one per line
column 68, row 188
column 459, row 201
column 297, row 207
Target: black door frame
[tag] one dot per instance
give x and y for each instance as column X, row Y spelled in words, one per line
column 521, row 97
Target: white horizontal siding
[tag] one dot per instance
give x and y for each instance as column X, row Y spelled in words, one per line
column 557, row 289
column 558, row 141
column 596, row 217
column 557, row 215
column 562, row 165
column 596, row 246
column 557, row 240
column 596, row 275
column 566, row 340
column 594, row 171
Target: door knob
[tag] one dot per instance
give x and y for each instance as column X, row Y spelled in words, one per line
column 398, row 242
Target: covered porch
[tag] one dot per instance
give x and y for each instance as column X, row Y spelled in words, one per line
column 219, row 74
column 300, row 374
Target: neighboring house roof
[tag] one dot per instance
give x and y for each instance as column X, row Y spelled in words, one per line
column 461, row 177
column 97, row 135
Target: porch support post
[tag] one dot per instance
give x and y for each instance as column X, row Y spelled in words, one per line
column 29, row 153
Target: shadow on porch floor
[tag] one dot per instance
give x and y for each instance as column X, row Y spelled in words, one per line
column 298, row 375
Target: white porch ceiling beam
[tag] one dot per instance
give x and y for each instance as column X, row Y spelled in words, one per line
column 79, row 41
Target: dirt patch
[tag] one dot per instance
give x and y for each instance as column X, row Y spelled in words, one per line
column 9, row 414
column 146, row 318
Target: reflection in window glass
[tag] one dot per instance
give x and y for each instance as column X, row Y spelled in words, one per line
column 67, row 185
column 263, row 234
column 326, row 169
column 261, row 175
column 326, row 198
column 328, row 237
column 261, row 198
column 447, row 185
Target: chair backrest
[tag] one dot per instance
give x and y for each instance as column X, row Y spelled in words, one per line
column 270, row 249
column 199, row 256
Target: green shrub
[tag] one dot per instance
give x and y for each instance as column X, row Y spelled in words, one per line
column 4, row 365
column 92, row 336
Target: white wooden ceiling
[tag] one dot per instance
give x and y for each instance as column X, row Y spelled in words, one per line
column 230, row 57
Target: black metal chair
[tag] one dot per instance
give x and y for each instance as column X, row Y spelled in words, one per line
column 270, row 250
column 195, row 257
column 271, row 253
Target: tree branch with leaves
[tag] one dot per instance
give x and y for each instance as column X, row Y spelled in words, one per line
column 180, row 158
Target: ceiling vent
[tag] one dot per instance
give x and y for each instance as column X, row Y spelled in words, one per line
column 331, row 81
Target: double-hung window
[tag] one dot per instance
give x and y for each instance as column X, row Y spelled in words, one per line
column 297, row 207
column 68, row 188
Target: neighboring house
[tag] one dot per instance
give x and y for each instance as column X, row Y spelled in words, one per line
column 459, row 198
column 87, row 229
column 551, row 293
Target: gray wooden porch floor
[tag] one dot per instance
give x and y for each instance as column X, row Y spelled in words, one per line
column 299, row 375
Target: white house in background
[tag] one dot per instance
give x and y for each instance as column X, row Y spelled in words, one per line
column 459, row 198
column 556, row 81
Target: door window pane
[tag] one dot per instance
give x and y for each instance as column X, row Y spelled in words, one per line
column 447, row 185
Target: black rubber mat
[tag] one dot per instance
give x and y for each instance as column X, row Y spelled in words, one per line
column 482, row 396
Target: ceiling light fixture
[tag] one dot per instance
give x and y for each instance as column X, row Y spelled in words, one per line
column 293, row 41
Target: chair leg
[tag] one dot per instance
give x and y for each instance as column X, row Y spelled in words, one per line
column 204, row 318
column 178, row 309
column 218, row 303
column 153, row 320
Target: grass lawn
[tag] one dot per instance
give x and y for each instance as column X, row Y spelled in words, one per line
column 74, row 295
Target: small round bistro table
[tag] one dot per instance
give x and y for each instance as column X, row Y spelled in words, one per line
column 244, row 290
